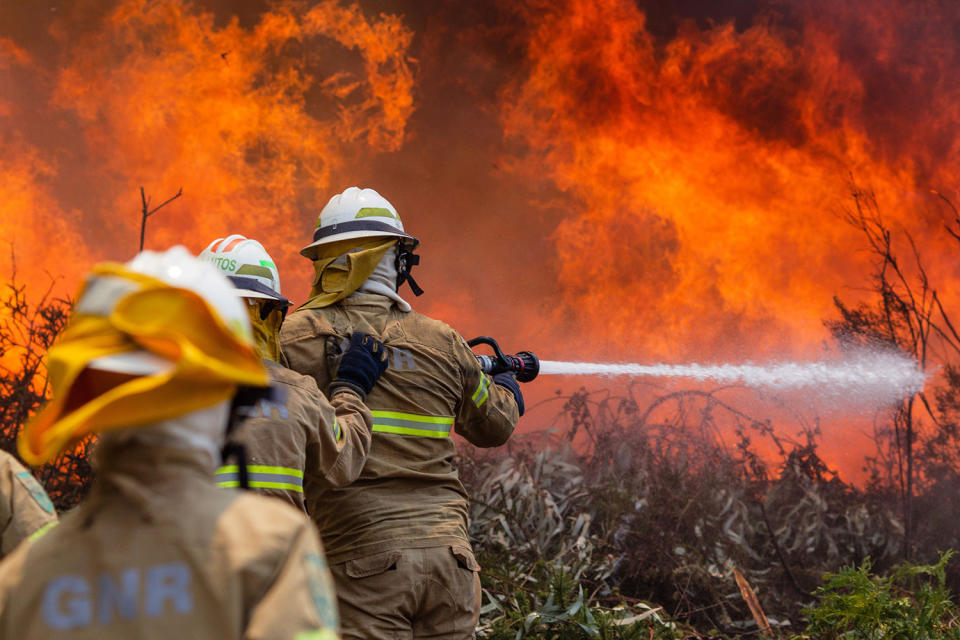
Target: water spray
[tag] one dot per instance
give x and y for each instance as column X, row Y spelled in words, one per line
column 870, row 376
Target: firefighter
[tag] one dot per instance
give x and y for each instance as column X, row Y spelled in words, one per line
column 297, row 442
column 155, row 355
column 25, row 509
column 397, row 538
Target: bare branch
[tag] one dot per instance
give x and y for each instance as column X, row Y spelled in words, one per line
column 145, row 213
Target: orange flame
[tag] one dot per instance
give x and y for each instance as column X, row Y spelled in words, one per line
column 250, row 122
column 689, row 186
column 707, row 175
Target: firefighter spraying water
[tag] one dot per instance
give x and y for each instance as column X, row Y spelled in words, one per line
column 396, row 538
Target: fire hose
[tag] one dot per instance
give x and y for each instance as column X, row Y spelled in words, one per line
column 524, row 365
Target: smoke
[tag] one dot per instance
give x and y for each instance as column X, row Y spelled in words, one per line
column 634, row 181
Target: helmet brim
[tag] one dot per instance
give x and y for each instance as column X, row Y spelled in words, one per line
column 252, row 288
column 246, row 293
column 137, row 363
column 312, row 250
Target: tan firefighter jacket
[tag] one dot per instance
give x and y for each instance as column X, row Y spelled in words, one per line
column 299, row 441
column 25, row 508
column 158, row 551
column 408, row 494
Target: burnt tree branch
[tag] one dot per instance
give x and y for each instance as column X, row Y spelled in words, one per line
column 146, row 213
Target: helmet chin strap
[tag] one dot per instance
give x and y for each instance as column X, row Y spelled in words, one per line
column 406, row 260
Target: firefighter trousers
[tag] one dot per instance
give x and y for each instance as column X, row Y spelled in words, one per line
column 409, row 593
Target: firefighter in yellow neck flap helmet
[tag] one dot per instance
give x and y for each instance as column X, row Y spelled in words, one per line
column 396, row 538
column 298, row 443
column 156, row 354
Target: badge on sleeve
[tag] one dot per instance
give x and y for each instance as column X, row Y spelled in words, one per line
column 35, row 490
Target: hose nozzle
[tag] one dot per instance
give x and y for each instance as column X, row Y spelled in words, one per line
column 524, row 364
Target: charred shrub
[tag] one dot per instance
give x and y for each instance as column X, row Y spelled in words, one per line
column 653, row 508
column 26, row 332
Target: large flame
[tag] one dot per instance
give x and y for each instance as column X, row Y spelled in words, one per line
column 40, row 237
column 708, row 175
column 248, row 121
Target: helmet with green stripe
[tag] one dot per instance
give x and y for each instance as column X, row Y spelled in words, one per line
column 358, row 213
column 247, row 264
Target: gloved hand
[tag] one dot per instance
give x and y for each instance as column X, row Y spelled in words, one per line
column 362, row 364
column 509, row 381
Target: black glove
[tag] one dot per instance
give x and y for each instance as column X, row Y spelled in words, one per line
column 508, row 381
column 362, row 364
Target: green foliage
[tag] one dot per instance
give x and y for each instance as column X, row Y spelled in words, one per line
column 911, row 603
column 562, row 610
column 547, row 571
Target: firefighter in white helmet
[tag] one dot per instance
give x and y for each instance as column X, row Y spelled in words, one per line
column 397, row 538
column 156, row 353
column 298, row 442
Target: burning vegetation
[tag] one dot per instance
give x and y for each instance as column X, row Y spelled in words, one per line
column 704, row 184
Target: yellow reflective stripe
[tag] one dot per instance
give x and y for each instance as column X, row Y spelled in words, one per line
column 483, row 391
column 411, row 424
column 407, row 431
column 412, row 417
column 261, row 476
column 260, row 484
column 39, row 533
column 261, row 468
column 320, row 634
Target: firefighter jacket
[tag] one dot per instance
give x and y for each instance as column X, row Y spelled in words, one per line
column 156, row 550
column 25, row 508
column 408, row 494
column 297, row 443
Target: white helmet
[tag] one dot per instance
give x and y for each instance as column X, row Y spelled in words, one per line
column 358, row 213
column 178, row 268
column 248, row 266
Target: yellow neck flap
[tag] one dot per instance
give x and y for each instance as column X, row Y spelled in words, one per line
column 334, row 282
column 120, row 312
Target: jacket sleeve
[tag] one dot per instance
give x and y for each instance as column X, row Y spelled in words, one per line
column 342, row 433
column 299, row 603
column 274, row 443
column 341, row 438
column 307, row 355
column 25, row 507
column 487, row 413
